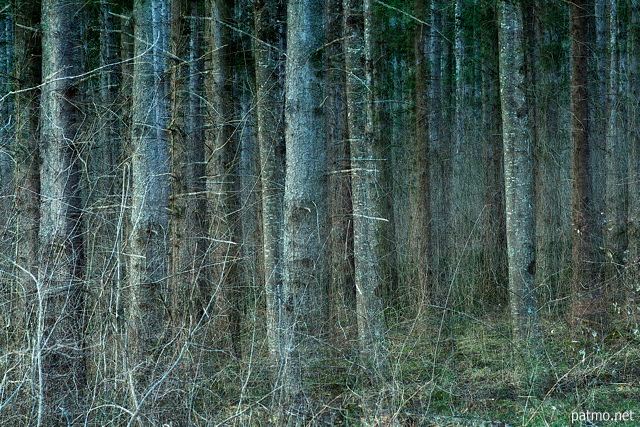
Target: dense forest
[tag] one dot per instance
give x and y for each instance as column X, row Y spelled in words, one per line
column 319, row 212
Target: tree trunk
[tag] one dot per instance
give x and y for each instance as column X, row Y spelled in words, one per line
column 615, row 229
column 588, row 311
column 419, row 170
column 249, row 206
column 28, row 71
column 633, row 291
column 189, row 223
column 269, row 56
column 518, row 171
column 440, row 154
column 305, row 273
column 494, row 263
column 342, row 289
column 60, row 349
column 150, row 167
column 367, row 219
column 6, row 128
column 458, row 151
column 597, row 115
column 221, row 179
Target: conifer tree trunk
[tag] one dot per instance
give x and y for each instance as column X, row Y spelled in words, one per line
column 365, row 183
column 60, row 350
column 250, row 276
column 440, row 149
column 419, row 181
column 518, row 171
column 269, row 59
column 189, row 225
column 342, row 290
column 598, row 117
column 615, row 229
column 147, row 239
column 633, row 290
column 458, row 150
column 6, row 122
column 222, row 188
column 28, row 71
column 494, row 258
column 196, row 220
column 588, row 311
column 304, row 302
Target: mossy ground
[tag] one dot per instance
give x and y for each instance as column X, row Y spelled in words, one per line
column 464, row 368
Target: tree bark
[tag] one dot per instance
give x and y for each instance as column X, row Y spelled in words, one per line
column 342, row 289
column 615, row 228
column 189, row 223
column 249, row 205
column 419, row 170
column 28, row 71
column 588, row 311
column 304, row 301
column 367, row 218
column 458, row 155
column 6, row 125
column 440, row 153
column 150, row 188
column 494, row 262
column 269, row 61
column 518, row 171
column 598, row 117
column 633, row 129
column 60, row 349
column 222, row 179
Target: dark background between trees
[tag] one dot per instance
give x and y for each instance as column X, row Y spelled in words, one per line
column 318, row 212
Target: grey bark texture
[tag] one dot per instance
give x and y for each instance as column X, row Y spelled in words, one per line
column 615, row 207
column 588, row 311
column 60, row 347
column 26, row 203
column 419, row 169
column 222, row 185
column 342, row 289
column 304, row 300
column 518, row 175
column 368, row 222
column 269, row 62
column 633, row 129
column 189, row 222
column 147, row 249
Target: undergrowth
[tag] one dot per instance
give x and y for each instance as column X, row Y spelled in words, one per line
column 467, row 371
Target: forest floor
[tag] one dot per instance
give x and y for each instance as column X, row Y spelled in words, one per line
column 466, row 371
column 478, row 374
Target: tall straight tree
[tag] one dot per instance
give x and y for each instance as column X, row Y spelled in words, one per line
column 60, row 348
column 6, row 112
column 494, row 259
column 341, row 290
column 269, row 62
column 420, row 195
column 615, row 206
column 221, row 159
column 633, row 129
column 367, row 222
column 458, row 132
column 304, row 302
column 28, row 71
column 588, row 312
column 518, row 175
column 150, row 166
column 189, row 223
column 439, row 149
